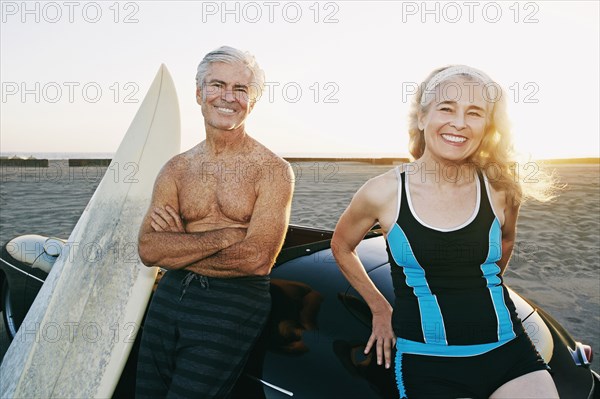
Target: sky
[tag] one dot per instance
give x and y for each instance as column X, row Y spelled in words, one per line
column 340, row 75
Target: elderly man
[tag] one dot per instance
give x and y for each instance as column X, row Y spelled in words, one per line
column 217, row 221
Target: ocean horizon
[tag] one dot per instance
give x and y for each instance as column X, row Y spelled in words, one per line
column 57, row 155
column 109, row 155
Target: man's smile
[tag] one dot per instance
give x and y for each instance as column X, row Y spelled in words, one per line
column 225, row 110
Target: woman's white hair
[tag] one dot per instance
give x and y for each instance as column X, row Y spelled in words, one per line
column 495, row 152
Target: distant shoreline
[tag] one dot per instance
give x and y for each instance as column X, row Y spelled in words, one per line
column 570, row 161
column 77, row 162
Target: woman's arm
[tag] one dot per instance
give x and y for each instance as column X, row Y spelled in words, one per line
column 362, row 213
column 509, row 233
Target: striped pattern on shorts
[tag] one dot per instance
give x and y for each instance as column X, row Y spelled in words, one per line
column 198, row 333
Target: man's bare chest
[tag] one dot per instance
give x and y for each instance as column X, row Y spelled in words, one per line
column 223, row 194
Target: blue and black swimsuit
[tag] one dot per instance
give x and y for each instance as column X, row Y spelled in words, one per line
column 451, row 302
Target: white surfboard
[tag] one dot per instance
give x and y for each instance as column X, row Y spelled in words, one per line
column 77, row 336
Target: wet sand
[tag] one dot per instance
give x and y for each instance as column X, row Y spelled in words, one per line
column 556, row 262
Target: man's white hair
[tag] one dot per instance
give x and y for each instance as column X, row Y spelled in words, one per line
column 230, row 55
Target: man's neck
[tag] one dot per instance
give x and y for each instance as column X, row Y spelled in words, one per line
column 224, row 142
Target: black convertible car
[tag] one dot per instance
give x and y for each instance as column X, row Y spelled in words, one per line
column 313, row 344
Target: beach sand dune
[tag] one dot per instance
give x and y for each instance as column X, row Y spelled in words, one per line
column 556, row 261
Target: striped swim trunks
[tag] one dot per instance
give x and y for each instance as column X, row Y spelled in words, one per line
column 198, row 334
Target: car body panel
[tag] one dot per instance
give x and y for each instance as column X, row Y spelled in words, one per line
column 313, row 343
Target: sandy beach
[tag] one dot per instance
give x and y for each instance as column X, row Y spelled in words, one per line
column 556, row 261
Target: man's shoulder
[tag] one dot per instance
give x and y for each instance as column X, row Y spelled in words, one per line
column 184, row 159
column 180, row 163
column 263, row 153
column 275, row 171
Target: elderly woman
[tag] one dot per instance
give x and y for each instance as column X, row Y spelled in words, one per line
column 449, row 219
